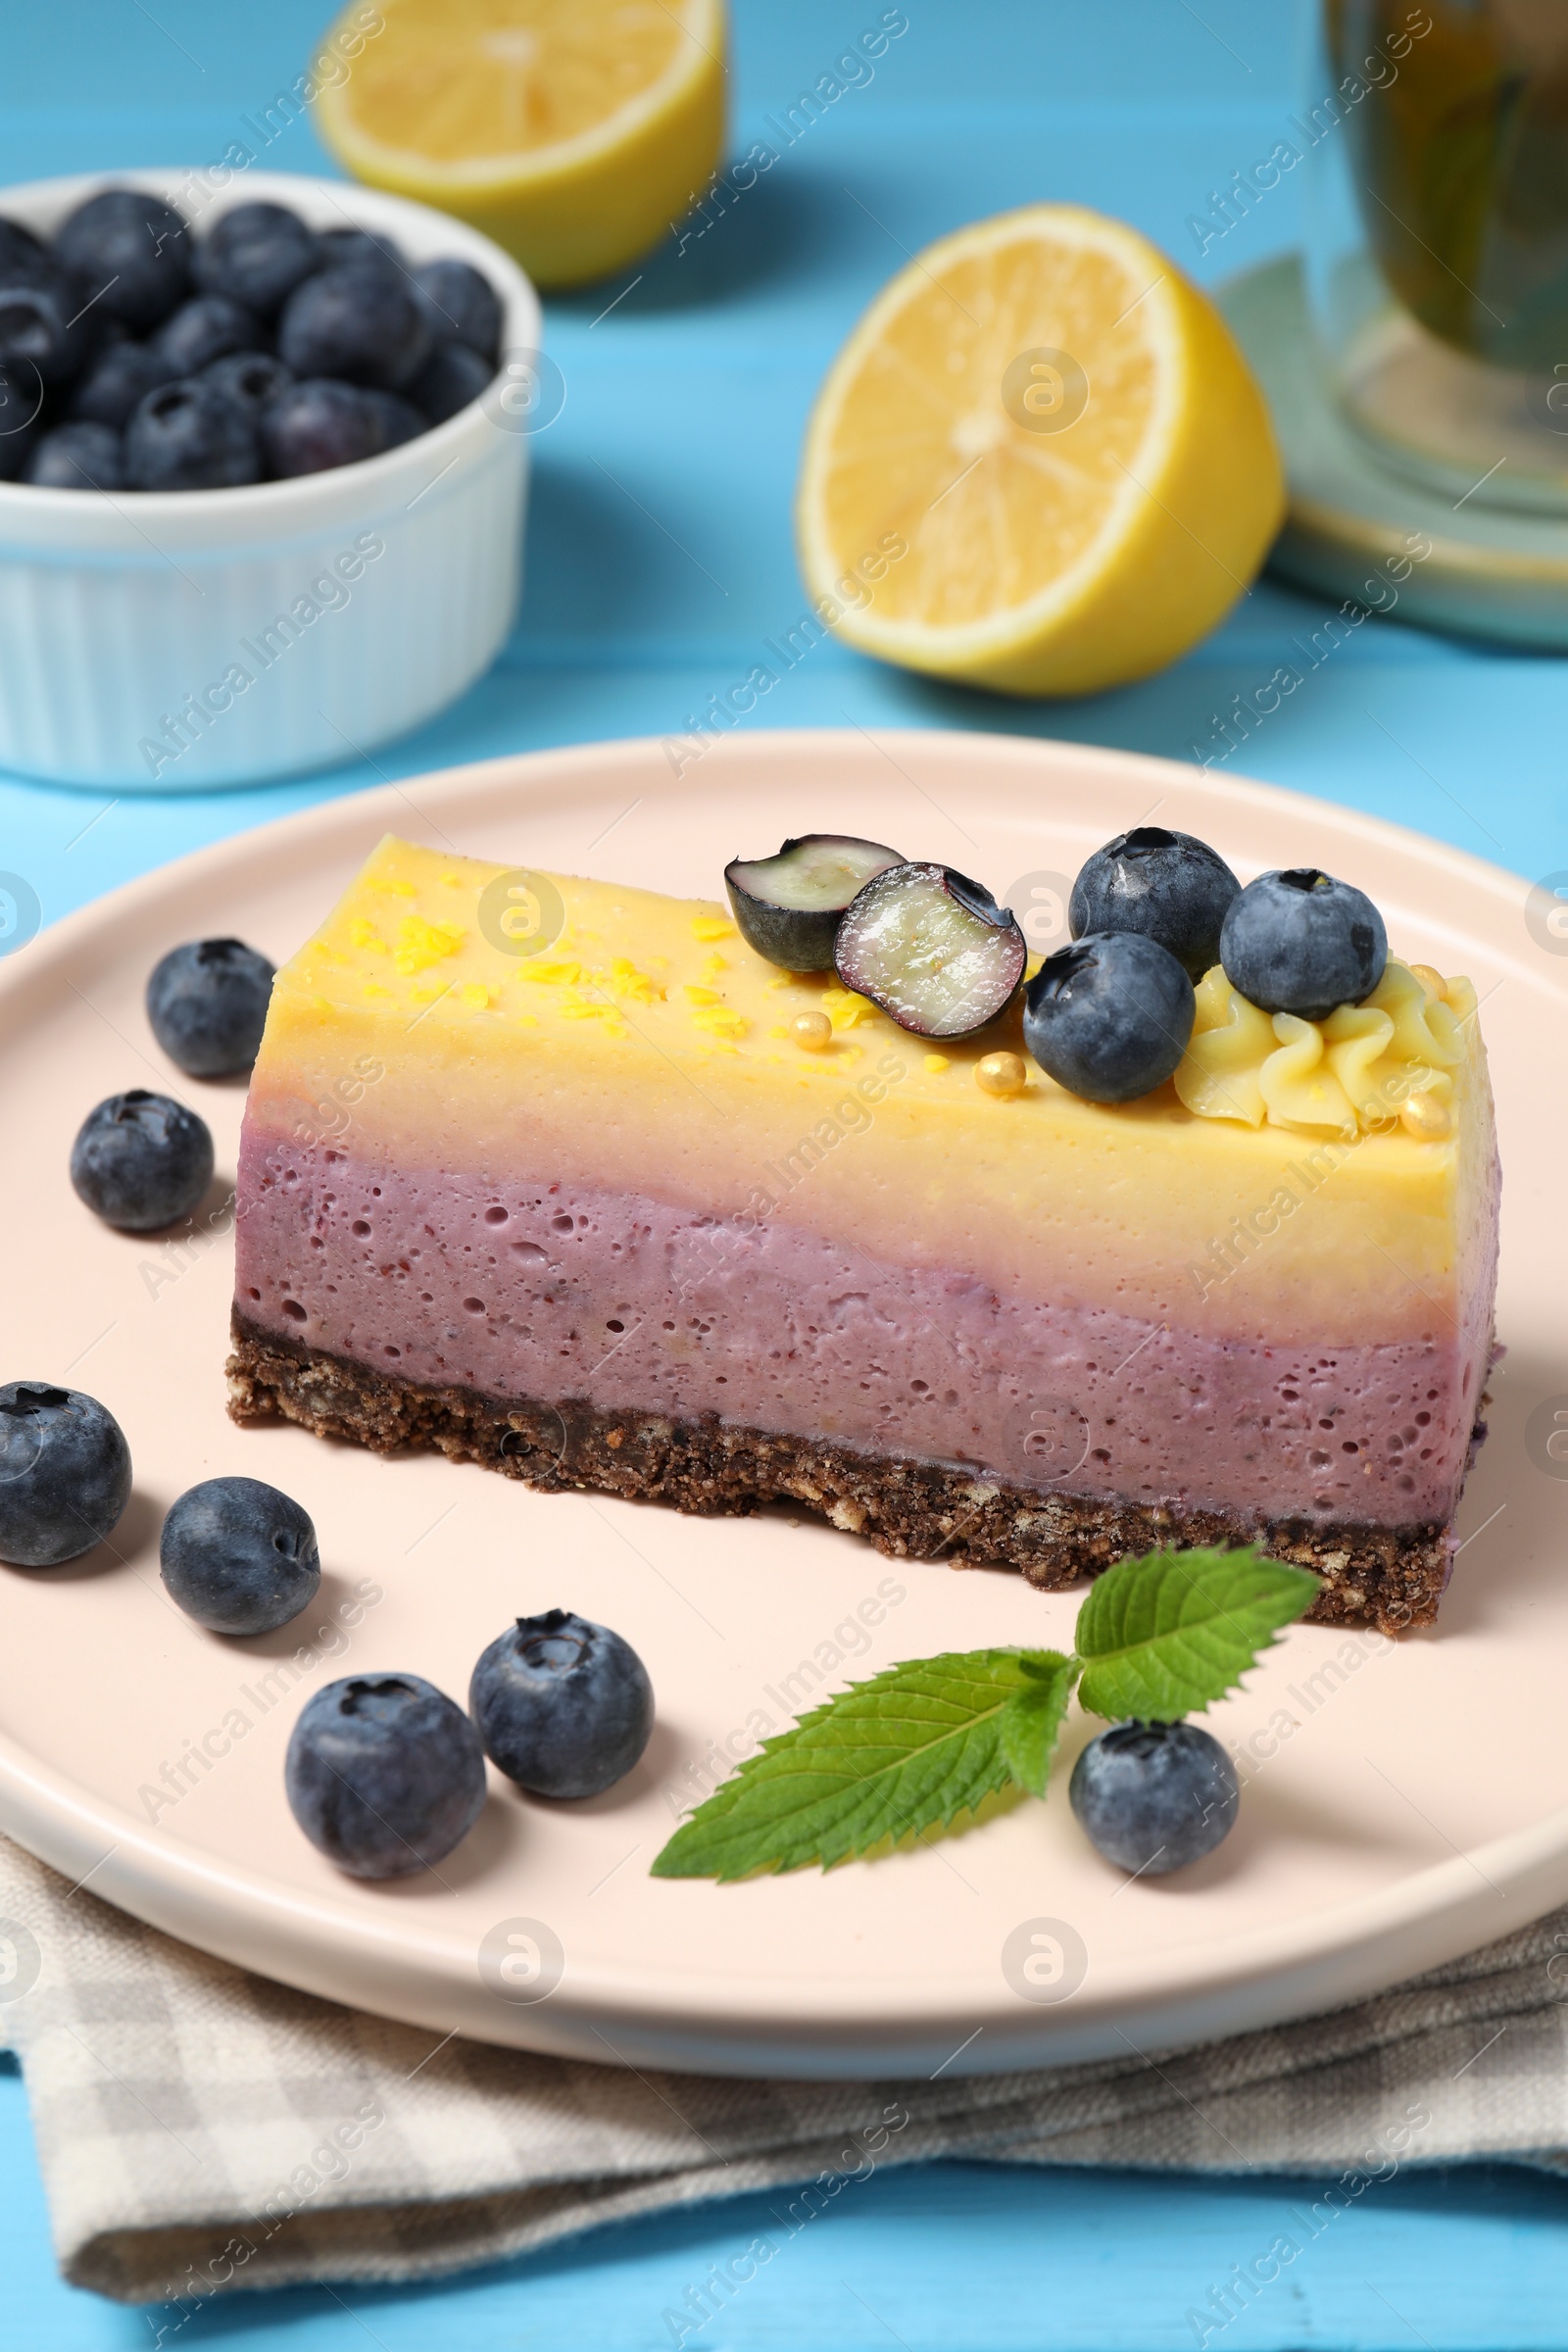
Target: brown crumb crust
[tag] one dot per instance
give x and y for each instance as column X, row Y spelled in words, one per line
column 1391, row 1578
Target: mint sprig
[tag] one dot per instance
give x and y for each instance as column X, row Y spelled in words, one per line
column 1182, row 1629
column 908, row 1750
column 924, row 1743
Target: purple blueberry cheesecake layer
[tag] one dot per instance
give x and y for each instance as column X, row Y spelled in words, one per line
column 538, row 1291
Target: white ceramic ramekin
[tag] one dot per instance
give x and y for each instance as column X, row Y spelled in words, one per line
column 162, row 642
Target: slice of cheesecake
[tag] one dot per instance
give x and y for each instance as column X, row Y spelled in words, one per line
column 538, row 1171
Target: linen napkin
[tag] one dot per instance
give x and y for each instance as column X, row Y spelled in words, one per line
column 202, row 2130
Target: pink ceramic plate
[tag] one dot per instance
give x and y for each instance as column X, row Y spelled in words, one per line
column 1404, row 1802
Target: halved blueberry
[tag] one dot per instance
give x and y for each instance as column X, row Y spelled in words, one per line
column 932, row 948
column 1109, row 1017
column 787, row 907
column 1154, row 1797
column 1299, row 942
column 207, row 1003
column 129, row 254
column 141, row 1160
column 384, row 1774
column 565, row 1707
column 1170, row 886
column 239, row 1556
column 65, row 1473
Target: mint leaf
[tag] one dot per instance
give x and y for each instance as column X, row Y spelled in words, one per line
column 1031, row 1723
column 913, row 1748
column 1163, row 1637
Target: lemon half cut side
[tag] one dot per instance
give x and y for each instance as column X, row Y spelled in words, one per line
column 1062, row 433
column 572, row 132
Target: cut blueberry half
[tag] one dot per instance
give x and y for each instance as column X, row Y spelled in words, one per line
column 933, row 949
column 788, row 907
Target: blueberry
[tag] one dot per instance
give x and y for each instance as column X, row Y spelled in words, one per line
column 460, row 305
column 76, row 457
column 317, row 424
column 206, row 1002
column 257, row 254
column 190, row 436
column 253, row 380
column 384, row 1774
column 1110, row 1017
column 1154, row 1797
column 361, row 325
column 396, row 419
column 361, row 249
column 205, row 329
column 117, row 381
column 450, row 379
column 129, row 254
column 141, row 1161
column 65, row 1473
column 20, row 249
column 238, row 1556
column 564, row 1707
column 1299, row 942
column 43, row 337
column 1170, row 886
column 20, row 400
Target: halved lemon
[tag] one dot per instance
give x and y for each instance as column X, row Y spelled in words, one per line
column 1039, row 463
column 572, row 132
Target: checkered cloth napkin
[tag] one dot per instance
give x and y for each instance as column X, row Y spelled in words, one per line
column 202, row 2130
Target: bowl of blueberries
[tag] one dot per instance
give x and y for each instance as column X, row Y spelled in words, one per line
column 263, row 468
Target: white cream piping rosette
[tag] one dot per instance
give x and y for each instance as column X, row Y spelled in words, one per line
column 1384, row 1062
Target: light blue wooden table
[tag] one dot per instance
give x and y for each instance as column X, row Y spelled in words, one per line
column 646, row 594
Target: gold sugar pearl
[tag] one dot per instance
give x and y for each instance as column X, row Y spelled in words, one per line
column 1001, row 1074
column 1426, row 1116
column 1433, row 982
column 812, row 1032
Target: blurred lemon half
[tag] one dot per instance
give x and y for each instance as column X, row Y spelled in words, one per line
column 1059, row 430
column 572, row 132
